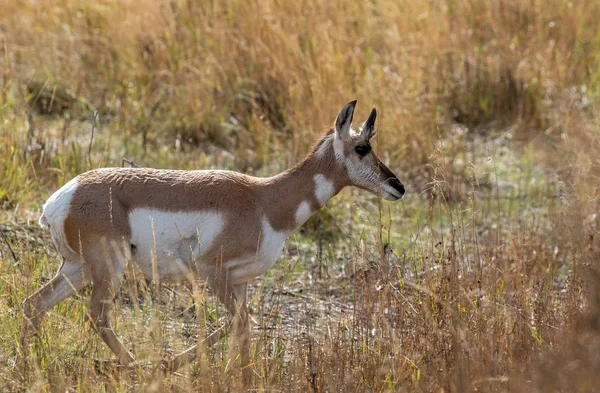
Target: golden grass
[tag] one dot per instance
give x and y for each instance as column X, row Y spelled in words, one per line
column 167, row 68
column 485, row 279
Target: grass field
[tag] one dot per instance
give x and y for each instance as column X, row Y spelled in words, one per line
column 486, row 278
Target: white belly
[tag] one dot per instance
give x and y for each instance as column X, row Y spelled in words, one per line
column 169, row 245
column 271, row 244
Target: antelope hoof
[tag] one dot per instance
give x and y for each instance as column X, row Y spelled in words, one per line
column 167, row 366
column 107, row 366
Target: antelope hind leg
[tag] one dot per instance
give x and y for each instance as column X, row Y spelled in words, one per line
column 71, row 277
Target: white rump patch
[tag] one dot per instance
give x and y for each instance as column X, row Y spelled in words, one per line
column 172, row 240
column 324, row 189
column 57, row 206
column 55, row 211
column 303, row 213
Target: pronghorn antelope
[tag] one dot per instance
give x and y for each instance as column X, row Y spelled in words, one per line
column 221, row 226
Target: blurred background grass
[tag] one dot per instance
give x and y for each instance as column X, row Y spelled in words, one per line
column 258, row 77
column 488, row 111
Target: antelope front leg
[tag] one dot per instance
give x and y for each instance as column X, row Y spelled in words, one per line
column 234, row 300
column 243, row 332
column 189, row 355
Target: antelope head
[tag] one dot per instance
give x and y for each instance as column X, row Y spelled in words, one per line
column 353, row 149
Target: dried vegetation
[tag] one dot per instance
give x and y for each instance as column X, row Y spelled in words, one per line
column 485, row 279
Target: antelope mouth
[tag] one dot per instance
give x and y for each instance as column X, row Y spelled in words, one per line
column 393, row 191
column 392, row 196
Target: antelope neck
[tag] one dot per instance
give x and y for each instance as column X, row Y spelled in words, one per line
column 294, row 195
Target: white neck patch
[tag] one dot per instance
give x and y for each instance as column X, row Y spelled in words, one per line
column 324, row 189
column 303, row 213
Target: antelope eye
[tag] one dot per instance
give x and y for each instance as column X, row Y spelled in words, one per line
column 363, row 149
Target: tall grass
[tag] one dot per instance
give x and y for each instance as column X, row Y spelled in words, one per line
column 253, row 75
column 485, row 279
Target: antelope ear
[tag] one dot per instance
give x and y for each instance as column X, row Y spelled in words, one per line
column 368, row 127
column 343, row 120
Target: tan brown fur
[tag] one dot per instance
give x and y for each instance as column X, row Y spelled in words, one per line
column 104, row 197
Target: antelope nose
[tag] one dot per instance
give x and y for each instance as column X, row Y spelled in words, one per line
column 397, row 186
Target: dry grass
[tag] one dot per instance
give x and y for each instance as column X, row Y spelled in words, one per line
column 485, row 279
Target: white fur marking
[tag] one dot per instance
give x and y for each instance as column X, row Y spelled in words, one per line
column 366, row 176
column 181, row 238
column 57, row 206
column 324, row 147
column 324, row 189
column 271, row 244
column 303, row 213
column 338, row 147
column 363, row 174
column 55, row 211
